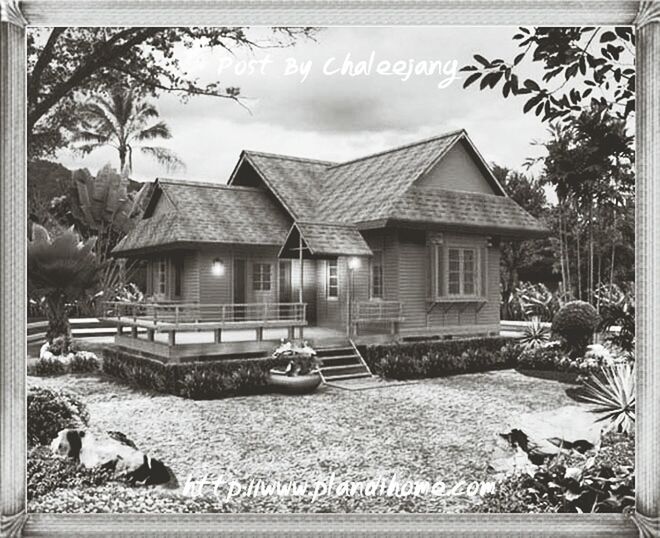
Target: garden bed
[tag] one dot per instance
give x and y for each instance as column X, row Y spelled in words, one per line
column 437, row 428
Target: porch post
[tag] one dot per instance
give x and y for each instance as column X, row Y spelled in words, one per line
column 300, row 258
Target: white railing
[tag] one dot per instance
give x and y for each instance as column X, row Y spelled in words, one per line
column 206, row 313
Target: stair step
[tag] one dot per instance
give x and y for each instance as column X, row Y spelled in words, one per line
column 339, row 357
column 334, row 350
column 343, row 367
column 347, row 376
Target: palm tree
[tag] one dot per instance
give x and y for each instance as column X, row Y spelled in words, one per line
column 120, row 119
column 60, row 269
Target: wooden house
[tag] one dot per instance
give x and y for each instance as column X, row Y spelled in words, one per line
column 402, row 243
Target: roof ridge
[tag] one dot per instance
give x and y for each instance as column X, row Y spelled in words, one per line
column 325, row 223
column 288, row 157
column 399, row 148
column 437, row 190
column 206, row 184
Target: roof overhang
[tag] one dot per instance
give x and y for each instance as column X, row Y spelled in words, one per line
column 319, row 241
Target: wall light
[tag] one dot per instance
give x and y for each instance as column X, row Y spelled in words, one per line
column 218, row 268
column 353, row 263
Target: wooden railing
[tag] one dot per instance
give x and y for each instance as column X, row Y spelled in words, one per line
column 377, row 311
column 206, row 313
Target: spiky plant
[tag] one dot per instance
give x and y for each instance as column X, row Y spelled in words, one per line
column 535, row 334
column 612, row 394
column 60, row 269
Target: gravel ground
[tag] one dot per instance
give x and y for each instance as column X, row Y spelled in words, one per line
column 437, row 429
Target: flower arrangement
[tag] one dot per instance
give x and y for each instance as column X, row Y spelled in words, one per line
column 302, row 358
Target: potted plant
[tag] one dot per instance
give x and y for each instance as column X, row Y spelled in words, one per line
column 301, row 373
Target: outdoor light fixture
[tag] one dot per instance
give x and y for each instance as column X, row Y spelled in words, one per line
column 218, row 268
column 354, row 263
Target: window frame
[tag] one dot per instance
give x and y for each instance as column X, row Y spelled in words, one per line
column 441, row 276
column 259, row 282
column 378, row 255
column 329, row 285
column 161, row 278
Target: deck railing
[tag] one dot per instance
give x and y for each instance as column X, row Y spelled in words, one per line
column 377, row 311
column 175, row 313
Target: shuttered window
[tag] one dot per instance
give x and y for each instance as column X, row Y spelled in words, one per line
column 161, row 276
column 459, row 271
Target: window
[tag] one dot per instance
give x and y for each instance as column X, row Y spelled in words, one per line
column 460, row 275
column 332, row 279
column 261, row 277
column 161, row 276
column 377, row 275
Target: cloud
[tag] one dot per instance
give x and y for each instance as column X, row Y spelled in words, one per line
column 340, row 117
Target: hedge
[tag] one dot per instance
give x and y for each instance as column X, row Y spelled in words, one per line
column 196, row 380
column 437, row 358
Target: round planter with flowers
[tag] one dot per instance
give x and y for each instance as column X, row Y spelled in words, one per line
column 301, row 373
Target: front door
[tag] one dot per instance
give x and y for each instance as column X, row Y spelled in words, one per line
column 240, row 283
column 285, row 288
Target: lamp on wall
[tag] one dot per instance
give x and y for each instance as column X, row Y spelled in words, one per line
column 218, row 268
column 353, row 263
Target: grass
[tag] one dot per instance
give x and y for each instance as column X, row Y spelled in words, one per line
column 436, row 429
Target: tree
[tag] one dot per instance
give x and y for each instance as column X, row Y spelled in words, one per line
column 66, row 62
column 60, row 269
column 525, row 256
column 583, row 67
column 104, row 208
column 589, row 163
column 121, row 120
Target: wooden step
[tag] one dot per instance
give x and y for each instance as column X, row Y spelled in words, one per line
column 348, row 376
column 342, row 367
column 320, row 352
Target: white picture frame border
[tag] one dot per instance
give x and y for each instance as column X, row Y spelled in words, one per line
column 644, row 15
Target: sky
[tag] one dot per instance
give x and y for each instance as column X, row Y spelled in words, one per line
column 330, row 114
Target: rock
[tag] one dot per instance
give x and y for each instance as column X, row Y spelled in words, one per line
column 546, row 433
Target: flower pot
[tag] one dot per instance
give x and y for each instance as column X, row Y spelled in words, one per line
column 297, row 384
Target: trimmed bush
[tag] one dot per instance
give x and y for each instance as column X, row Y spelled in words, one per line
column 196, row 380
column 84, row 361
column 46, row 367
column 79, row 362
column 575, row 324
column 436, row 358
column 51, row 410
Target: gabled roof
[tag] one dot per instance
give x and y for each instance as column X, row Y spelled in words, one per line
column 296, row 182
column 321, row 240
column 466, row 210
column 209, row 212
column 365, row 189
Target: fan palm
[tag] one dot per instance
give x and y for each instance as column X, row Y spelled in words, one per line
column 121, row 120
column 60, row 269
column 612, row 393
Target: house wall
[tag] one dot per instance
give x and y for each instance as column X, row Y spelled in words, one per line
column 415, row 283
column 457, row 170
column 189, row 276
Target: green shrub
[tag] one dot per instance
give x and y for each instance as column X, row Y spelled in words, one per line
column 416, row 360
column 51, row 410
column 575, row 324
column 603, row 483
column 195, row 380
column 84, row 361
column 47, row 367
column 46, row 473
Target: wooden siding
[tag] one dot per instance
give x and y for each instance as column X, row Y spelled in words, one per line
column 415, row 278
column 456, row 171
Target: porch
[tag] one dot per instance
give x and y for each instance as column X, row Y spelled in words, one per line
column 178, row 331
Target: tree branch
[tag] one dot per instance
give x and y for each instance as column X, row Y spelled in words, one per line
column 44, row 59
column 102, row 58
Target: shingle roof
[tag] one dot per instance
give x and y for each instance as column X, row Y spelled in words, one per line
column 208, row 212
column 466, row 210
column 296, row 181
column 329, row 239
column 365, row 189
